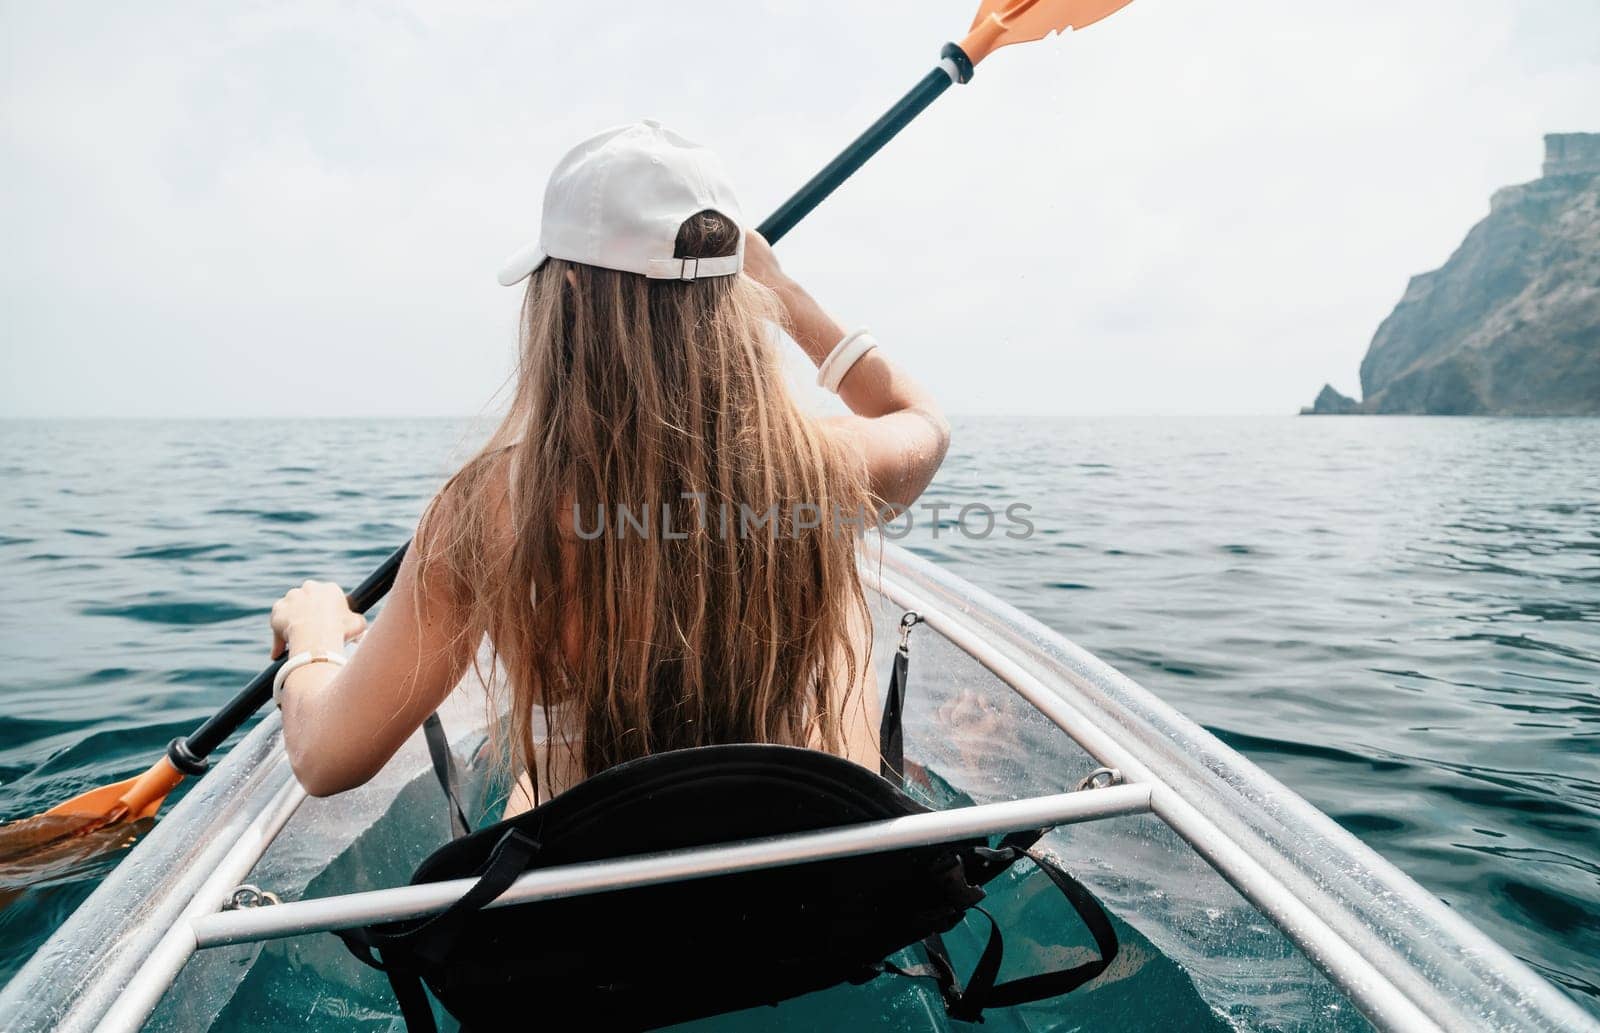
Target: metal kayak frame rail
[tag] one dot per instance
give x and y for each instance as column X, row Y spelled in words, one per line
column 356, row 909
column 1406, row 962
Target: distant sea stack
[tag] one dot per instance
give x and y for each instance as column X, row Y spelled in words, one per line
column 1510, row 325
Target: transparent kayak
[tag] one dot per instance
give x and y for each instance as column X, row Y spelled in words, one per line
column 1240, row 905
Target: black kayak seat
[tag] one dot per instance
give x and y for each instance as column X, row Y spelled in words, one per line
column 655, row 955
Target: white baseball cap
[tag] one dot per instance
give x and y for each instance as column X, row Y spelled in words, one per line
column 618, row 199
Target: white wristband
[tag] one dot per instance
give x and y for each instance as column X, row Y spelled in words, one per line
column 294, row 663
column 843, row 358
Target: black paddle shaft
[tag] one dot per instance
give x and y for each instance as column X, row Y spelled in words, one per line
column 959, row 69
column 189, row 754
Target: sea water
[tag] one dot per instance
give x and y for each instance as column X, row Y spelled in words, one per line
column 1397, row 617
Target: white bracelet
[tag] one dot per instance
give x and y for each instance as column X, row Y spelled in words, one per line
column 294, row 663
column 843, row 358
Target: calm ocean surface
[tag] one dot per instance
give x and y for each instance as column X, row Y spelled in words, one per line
column 1397, row 617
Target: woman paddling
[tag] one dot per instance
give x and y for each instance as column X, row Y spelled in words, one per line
column 658, row 545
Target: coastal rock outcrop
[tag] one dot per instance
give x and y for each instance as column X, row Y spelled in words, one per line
column 1331, row 403
column 1510, row 325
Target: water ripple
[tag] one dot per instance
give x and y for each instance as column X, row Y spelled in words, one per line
column 174, row 612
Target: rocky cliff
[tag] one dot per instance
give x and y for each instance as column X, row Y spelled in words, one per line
column 1510, row 325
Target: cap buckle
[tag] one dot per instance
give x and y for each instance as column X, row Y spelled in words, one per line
column 690, row 270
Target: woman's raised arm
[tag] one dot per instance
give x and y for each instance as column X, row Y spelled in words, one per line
column 341, row 725
column 897, row 426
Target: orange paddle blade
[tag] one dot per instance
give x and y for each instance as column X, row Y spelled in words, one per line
column 1001, row 23
column 129, row 800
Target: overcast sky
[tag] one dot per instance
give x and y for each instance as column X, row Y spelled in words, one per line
column 298, row 208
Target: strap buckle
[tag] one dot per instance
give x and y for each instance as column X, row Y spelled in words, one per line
column 1100, row 778
column 250, row 895
column 911, row 619
column 690, row 269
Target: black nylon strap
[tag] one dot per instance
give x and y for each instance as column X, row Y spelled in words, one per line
column 435, row 937
column 892, row 748
column 414, row 1006
column 891, row 735
column 1053, row 984
column 508, row 860
column 444, row 768
column 969, row 1003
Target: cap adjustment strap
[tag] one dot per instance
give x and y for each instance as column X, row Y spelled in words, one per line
column 693, row 268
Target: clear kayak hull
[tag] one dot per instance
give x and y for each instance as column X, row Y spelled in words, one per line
column 1246, row 907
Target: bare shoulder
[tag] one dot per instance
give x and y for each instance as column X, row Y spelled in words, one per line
column 476, row 501
column 498, row 484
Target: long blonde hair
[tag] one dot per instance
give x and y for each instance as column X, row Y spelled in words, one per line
column 667, row 398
